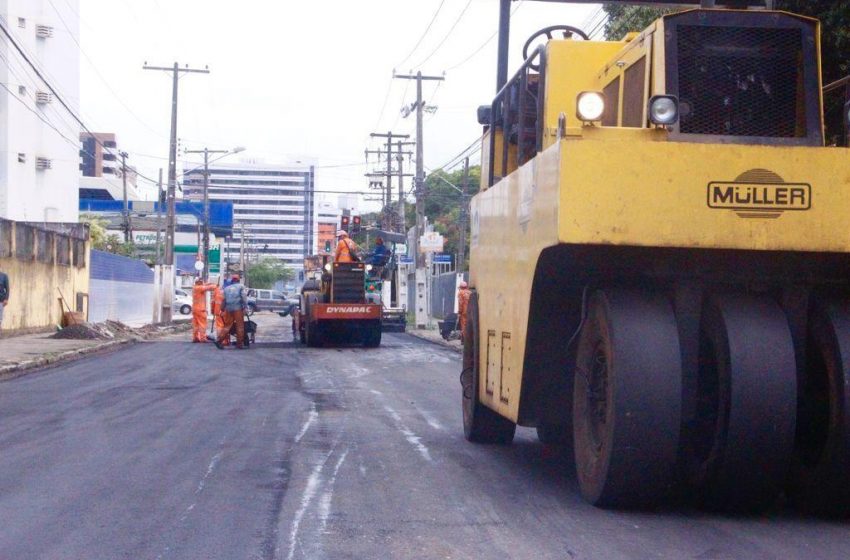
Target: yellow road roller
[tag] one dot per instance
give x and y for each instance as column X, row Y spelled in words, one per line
column 660, row 257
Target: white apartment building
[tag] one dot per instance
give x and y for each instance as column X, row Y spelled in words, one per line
column 272, row 204
column 39, row 167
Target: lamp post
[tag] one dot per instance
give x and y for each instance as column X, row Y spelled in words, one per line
column 206, row 241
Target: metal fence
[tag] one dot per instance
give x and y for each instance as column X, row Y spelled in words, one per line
column 444, row 294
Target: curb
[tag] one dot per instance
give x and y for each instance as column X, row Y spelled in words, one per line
column 440, row 342
column 14, row 370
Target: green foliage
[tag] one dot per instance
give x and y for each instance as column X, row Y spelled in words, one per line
column 443, row 205
column 102, row 240
column 263, row 274
column 624, row 19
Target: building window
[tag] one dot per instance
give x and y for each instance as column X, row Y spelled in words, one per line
column 22, row 90
column 22, row 158
column 22, row 22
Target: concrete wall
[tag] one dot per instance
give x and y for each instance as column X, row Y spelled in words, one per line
column 43, row 265
column 122, row 289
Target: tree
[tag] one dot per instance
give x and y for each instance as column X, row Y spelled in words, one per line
column 102, row 240
column 835, row 40
column 266, row 272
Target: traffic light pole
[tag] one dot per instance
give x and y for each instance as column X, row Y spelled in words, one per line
column 206, row 242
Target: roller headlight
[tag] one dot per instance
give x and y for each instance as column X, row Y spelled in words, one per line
column 328, row 267
column 590, row 106
column 664, row 110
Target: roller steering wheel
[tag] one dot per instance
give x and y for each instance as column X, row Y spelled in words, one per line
column 567, row 30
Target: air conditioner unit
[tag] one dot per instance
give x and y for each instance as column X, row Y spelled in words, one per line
column 43, row 97
column 43, row 163
column 43, row 31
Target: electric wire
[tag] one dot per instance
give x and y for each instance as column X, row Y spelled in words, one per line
column 424, row 34
column 446, row 36
column 484, row 44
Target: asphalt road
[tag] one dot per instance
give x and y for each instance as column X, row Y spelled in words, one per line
column 174, row 450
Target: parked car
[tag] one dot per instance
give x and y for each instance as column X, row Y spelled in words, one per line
column 182, row 301
column 266, row 300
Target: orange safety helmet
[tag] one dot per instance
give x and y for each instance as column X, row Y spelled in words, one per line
column 464, row 285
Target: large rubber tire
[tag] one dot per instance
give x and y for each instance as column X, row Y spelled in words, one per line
column 480, row 424
column 314, row 334
column 627, row 400
column 372, row 338
column 822, row 475
column 185, row 309
column 742, row 441
column 302, row 336
column 554, row 434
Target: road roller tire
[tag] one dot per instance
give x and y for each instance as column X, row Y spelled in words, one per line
column 372, row 336
column 627, row 400
column 741, row 445
column 314, row 334
column 554, row 434
column 821, row 482
column 480, row 424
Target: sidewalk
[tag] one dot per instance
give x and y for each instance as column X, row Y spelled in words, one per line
column 24, row 352
column 433, row 336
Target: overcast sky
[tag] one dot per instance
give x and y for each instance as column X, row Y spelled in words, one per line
column 295, row 80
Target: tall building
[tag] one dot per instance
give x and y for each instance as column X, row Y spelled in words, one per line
column 39, row 169
column 102, row 169
column 99, row 154
column 272, row 204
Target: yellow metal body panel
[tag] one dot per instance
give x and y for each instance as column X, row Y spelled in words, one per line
column 577, row 64
column 656, row 194
column 629, row 187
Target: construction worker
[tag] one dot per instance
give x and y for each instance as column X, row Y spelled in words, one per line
column 463, row 295
column 235, row 303
column 346, row 249
column 199, row 310
column 218, row 311
column 380, row 255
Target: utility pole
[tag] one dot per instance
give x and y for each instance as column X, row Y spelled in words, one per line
column 206, row 243
column 464, row 213
column 128, row 232
column 170, row 221
column 388, row 174
column 419, row 181
column 423, row 311
column 176, row 71
column 159, row 201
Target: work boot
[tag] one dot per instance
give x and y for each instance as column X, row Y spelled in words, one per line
column 219, row 345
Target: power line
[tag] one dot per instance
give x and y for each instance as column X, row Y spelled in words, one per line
column 97, row 72
column 424, row 34
column 484, row 44
column 446, row 37
column 40, row 75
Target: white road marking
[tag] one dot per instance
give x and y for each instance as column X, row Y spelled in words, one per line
column 409, row 435
column 311, row 417
column 327, row 497
column 306, row 498
column 210, row 468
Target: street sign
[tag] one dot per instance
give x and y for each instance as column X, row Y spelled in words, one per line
column 442, row 259
column 404, row 259
column 431, row 242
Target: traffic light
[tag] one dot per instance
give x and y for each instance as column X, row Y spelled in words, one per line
column 344, row 222
column 355, row 224
column 328, row 246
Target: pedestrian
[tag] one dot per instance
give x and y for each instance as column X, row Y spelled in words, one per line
column 346, row 249
column 463, row 295
column 218, row 311
column 199, row 310
column 4, row 294
column 235, row 303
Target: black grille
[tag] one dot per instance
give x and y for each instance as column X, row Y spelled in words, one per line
column 741, row 81
column 349, row 283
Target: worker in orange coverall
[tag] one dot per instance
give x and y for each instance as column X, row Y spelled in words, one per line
column 463, row 295
column 199, row 310
column 218, row 313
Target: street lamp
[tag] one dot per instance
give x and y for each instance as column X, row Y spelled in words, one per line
column 207, row 152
